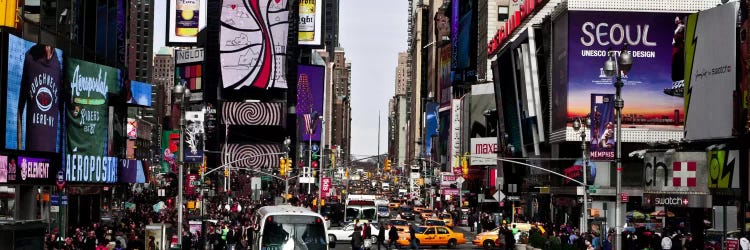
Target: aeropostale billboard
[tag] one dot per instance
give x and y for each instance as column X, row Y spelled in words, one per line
column 657, row 64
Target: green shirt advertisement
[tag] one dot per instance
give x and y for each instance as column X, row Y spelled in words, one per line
column 87, row 120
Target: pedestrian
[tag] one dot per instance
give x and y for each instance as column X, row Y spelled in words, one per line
column 412, row 238
column 392, row 236
column 471, row 223
column 744, row 243
column 510, row 240
column 666, row 242
column 381, row 236
column 366, row 235
column 357, row 236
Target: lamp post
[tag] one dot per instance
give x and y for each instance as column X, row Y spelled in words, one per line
column 578, row 125
column 617, row 68
column 180, row 92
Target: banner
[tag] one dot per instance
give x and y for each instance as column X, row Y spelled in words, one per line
column 253, row 42
column 132, row 129
column 326, row 187
column 185, row 18
column 132, row 171
column 464, row 24
column 193, row 137
column 455, row 136
column 33, row 96
column 649, row 37
column 170, row 146
column 431, row 126
column 602, row 127
column 447, row 179
column 711, row 73
column 191, row 183
column 310, row 87
column 87, row 122
column 310, row 23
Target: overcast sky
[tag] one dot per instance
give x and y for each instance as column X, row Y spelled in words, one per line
column 372, row 33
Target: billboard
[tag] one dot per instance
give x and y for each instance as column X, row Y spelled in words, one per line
column 325, row 186
column 252, row 155
column 89, row 84
column 431, row 126
column 464, row 35
column 455, row 132
column 649, row 37
column 602, row 127
column 481, row 119
column 444, row 78
column 193, row 137
column 710, row 74
column 723, row 169
column 483, row 151
column 310, row 23
column 252, row 43
column 675, row 172
column 27, row 170
column 132, row 171
column 170, row 148
column 310, row 87
column 33, row 96
column 140, row 93
column 189, row 68
column 253, row 113
column 185, row 18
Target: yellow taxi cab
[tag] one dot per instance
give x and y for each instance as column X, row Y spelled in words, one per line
column 394, row 205
column 426, row 214
column 487, row 239
column 419, row 209
column 433, row 236
column 448, row 218
column 400, row 224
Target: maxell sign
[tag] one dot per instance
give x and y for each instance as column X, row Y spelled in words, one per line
column 483, row 151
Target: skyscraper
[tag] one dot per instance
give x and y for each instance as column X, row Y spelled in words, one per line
column 140, row 40
column 163, row 78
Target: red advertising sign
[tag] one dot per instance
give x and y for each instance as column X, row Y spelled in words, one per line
column 624, row 197
column 191, row 183
column 325, row 186
column 733, row 244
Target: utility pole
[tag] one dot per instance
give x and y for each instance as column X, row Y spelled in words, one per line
column 378, row 141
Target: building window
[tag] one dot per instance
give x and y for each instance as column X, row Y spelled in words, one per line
column 502, row 13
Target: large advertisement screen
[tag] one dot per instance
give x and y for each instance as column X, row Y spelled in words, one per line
column 711, row 73
column 444, row 78
column 650, row 40
column 33, row 97
column 310, row 23
column 252, row 43
column 89, row 84
column 310, row 84
column 185, row 18
column 140, row 93
column 431, row 126
column 170, row 148
column 464, row 54
column 27, row 170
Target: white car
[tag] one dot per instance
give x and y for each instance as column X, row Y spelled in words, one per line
column 345, row 233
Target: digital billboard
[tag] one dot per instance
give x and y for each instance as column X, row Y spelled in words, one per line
column 711, row 73
column 140, row 94
column 464, row 24
column 185, row 18
column 310, row 86
column 252, row 43
column 27, row 170
column 310, row 23
column 431, row 126
column 444, row 78
column 132, row 171
column 33, row 96
column 602, row 127
column 649, row 37
column 89, row 84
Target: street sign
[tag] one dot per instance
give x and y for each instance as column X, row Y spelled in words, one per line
column 60, row 179
column 54, row 200
column 54, row 209
column 624, row 197
column 499, row 195
column 460, row 180
column 514, row 198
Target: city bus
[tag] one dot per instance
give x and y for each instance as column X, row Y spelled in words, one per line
column 286, row 227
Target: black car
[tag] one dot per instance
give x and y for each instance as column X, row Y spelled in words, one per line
column 407, row 213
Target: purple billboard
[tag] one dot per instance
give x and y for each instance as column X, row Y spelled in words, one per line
column 602, row 127
column 310, row 79
column 653, row 39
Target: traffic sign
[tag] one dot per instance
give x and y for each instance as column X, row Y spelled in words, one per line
column 460, row 180
column 60, row 179
column 624, row 197
column 499, row 195
column 514, row 198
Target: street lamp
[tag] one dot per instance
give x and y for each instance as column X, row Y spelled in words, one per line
column 613, row 67
column 579, row 126
column 180, row 92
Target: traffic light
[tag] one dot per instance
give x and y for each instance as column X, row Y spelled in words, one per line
column 288, row 166
column 464, row 166
column 226, row 171
column 420, row 182
column 387, row 167
column 282, row 166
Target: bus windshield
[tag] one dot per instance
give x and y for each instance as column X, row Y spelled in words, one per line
column 293, row 232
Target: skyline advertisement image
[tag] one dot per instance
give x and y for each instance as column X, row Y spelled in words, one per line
column 33, row 96
column 650, row 39
column 310, row 89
